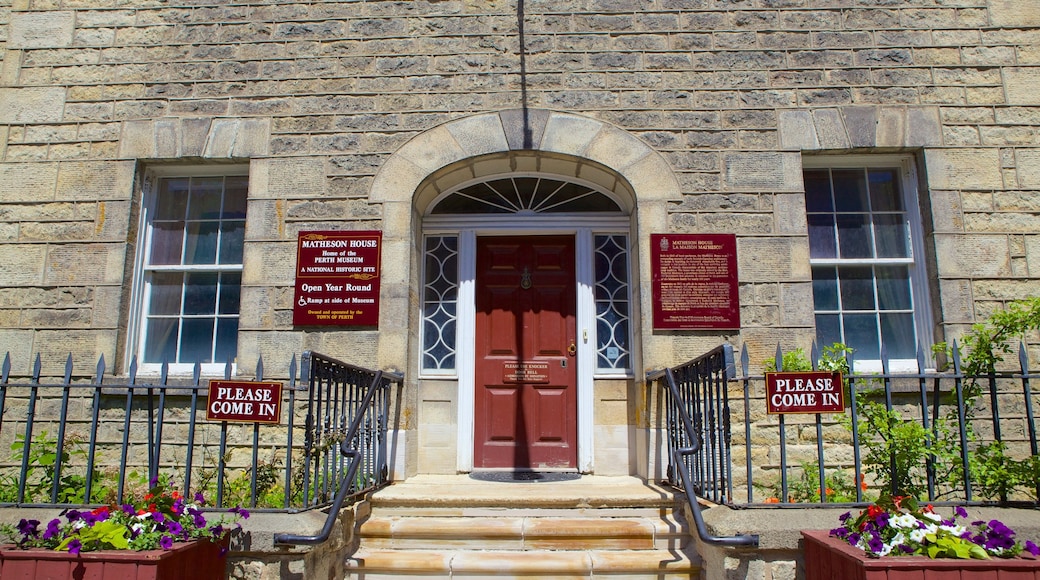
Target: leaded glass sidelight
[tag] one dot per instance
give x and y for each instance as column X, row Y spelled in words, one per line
column 613, row 322
column 440, row 304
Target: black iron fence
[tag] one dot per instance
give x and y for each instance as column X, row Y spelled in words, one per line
column 939, row 435
column 89, row 440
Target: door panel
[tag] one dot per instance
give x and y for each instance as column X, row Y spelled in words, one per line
column 526, row 372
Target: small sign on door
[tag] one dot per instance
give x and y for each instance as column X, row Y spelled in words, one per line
column 525, row 372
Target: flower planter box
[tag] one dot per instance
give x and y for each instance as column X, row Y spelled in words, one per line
column 201, row 560
column 828, row 558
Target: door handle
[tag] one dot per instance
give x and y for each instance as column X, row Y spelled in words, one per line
column 572, row 349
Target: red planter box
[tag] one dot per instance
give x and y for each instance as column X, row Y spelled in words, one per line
column 195, row 560
column 828, row 558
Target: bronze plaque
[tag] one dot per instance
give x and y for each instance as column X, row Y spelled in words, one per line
column 525, row 372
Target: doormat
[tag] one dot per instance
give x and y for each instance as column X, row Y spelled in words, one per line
column 524, row 476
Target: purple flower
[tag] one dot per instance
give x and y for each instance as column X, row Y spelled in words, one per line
column 154, row 481
column 961, row 512
column 240, row 511
column 839, row 532
column 166, row 542
column 28, row 528
column 1032, row 548
column 158, row 516
column 906, row 549
column 129, row 509
column 199, row 498
column 74, row 546
column 875, row 544
column 217, row 530
column 844, row 517
column 174, row 527
column 199, row 521
column 854, row 538
column 52, row 529
column 882, row 519
column 72, row 515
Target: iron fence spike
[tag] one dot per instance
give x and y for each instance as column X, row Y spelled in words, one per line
column 6, row 368
column 814, row 355
column 37, row 368
column 68, row 369
column 745, row 360
column 956, row 357
column 1023, row 357
column 100, row 375
column 260, row 368
column 779, row 358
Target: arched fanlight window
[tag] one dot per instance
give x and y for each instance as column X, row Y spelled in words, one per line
column 525, row 195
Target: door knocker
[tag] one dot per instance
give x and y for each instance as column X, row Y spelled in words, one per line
column 525, row 279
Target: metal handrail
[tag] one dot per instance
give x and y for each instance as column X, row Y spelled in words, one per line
column 678, row 456
column 354, row 457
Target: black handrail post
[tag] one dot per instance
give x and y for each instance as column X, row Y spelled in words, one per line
column 685, row 431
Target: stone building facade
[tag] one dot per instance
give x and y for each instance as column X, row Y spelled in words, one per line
column 878, row 162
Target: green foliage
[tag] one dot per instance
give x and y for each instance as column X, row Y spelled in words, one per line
column 805, row 488
column 898, row 447
column 39, row 477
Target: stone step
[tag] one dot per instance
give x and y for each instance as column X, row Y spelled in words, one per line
column 373, row 564
column 512, row 532
column 453, row 527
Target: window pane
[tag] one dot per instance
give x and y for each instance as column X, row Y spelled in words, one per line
column 235, row 192
column 227, row 340
column 893, row 288
column 166, row 243
column 165, row 293
column 884, row 190
column 825, row 288
column 197, row 342
column 230, row 292
column 232, row 239
column 205, row 200
column 857, row 288
column 828, row 329
column 160, row 343
column 821, row 236
column 850, row 190
column 173, row 199
column 201, row 244
column 818, row 191
column 861, row 334
column 897, row 332
column 854, row 236
column 200, row 294
column 890, row 232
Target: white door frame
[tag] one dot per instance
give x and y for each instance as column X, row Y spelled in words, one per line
column 583, row 227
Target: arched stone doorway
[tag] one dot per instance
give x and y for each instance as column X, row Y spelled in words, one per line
column 465, row 190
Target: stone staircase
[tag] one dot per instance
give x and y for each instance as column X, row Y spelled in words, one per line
column 455, row 527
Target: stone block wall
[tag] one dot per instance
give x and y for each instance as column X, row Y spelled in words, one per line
column 316, row 96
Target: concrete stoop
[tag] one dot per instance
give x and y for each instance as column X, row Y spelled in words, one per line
column 453, row 527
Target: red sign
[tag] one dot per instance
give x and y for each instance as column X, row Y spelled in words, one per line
column 244, row 401
column 337, row 278
column 808, row 392
column 695, row 281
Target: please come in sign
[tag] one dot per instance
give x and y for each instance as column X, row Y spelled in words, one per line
column 244, row 401
column 805, row 392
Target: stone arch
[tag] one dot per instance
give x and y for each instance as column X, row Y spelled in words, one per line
column 645, row 170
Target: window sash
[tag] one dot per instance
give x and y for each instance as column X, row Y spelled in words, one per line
column 189, row 288
column 889, row 326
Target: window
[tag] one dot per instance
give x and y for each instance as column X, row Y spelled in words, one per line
column 440, row 304
column 190, row 274
column 865, row 248
column 612, row 303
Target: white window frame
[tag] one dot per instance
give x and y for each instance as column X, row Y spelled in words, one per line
column 139, row 303
column 922, row 311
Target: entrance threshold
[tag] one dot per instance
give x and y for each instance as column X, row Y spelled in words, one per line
column 524, row 476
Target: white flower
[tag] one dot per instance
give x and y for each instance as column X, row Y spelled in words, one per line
column 918, row 536
column 906, row 521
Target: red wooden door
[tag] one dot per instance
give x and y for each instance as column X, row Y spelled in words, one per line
column 526, row 379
